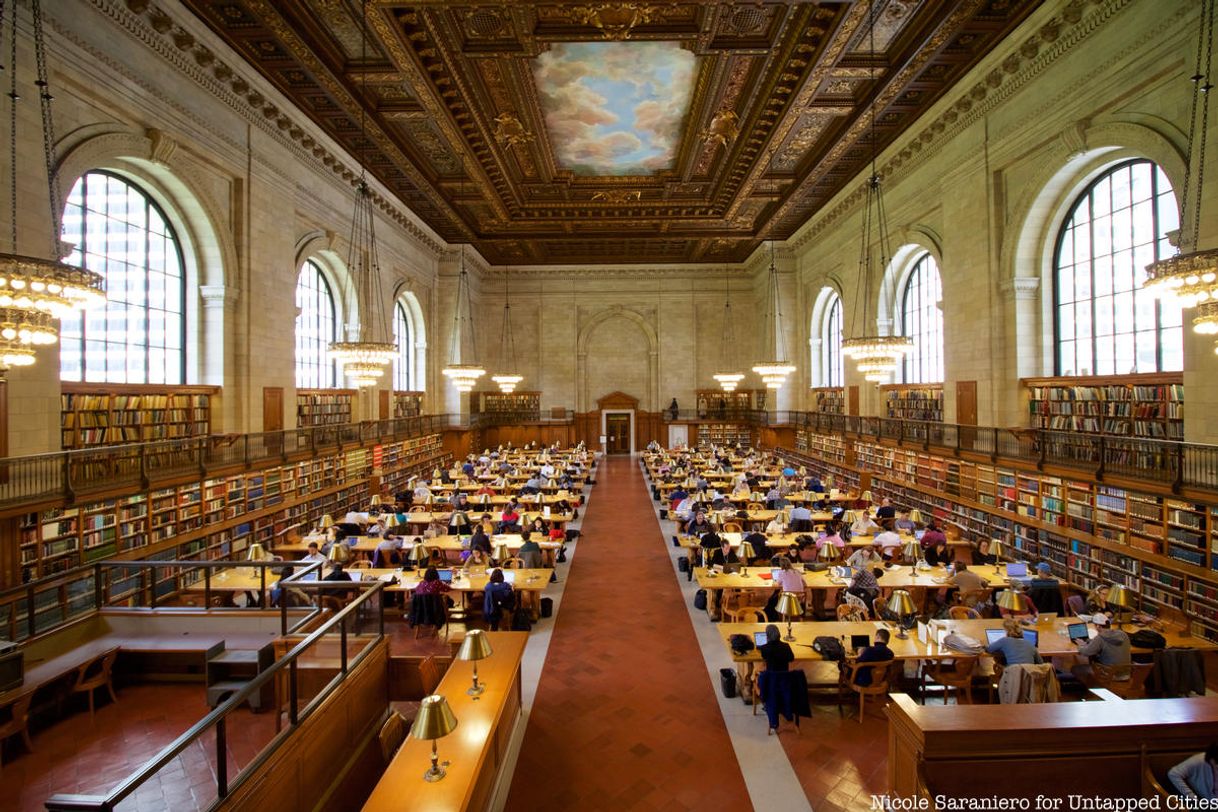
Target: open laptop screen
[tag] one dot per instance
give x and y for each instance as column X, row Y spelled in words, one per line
column 1077, row 631
column 992, row 636
column 1017, row 569
column 446, row 576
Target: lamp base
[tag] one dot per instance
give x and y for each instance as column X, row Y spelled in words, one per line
column 476, row 689
column 901, row 635
column 434, row 774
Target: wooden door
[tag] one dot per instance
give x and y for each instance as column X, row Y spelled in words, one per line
column 617, row 426
column 852, row 396
column 966, row 411
column 272, row 408
column 385, row 393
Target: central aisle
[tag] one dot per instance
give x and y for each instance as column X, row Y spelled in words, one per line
column 625, row 715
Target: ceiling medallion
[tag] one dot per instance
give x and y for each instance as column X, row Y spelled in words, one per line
column 723, row 129
column 510, row 132
column 616, row 21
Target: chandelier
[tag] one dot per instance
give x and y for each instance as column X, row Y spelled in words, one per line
column 774, row 372
column 36, row 292
column 728, row 381
column 463, row 375
column 507, row 341
column 365, row 359
column 876, row 356
column 1191, row 276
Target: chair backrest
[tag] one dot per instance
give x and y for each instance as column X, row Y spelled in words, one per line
column 972, row 597
column 96, row 671
column 963, row 613
column 852, row 613
column 430, row 674
column 732, row 527
column 755, row 506
column 420, row 509
column 514, row 564
column 1138, row 674
column 360, row 565
column 1077, row 604
column 392, row 733
column 20, row 713
column 964, row 666
column 880, row 674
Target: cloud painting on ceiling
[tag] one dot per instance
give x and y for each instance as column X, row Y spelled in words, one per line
column 615, row 108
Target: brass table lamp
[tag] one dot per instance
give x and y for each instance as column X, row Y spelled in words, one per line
column 435, row 721
column 901, row 605
column 475, row 647
column 420, row 555
column 827, row 552
column 912, row 551
column 998, row 550
column 1119, row 598
column 788, row 606
column 340, row 553
column 258, row 553
column 1013, row 601
column 502, row 553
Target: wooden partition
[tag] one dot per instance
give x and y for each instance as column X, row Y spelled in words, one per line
column 1100, row 749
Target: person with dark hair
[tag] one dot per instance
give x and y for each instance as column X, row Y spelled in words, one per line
column 431, row 583
column 480, row 540
column 879, row 652
column 938, row 554
column 498, row 597
column 1195, row 776
column 530, row 551
column 724, row 555
column 777, row 654
column 933, row 536
column 337, row 573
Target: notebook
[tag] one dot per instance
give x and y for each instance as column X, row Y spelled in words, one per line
column 1077, row 632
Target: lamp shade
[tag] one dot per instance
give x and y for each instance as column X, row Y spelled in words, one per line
column 827, row 552
column 435, row 719
column 901, row 604
column 788, row 605
column 502, row 553
column 475, row 646
column 998, row 549
column 258, row 553
column 915, row 516
column 911, row 550
column 848, row 517
column 376, row 499
column 459, row 519
column 420, row 553
column 866, row 497
column 339, row 552
column 1012, row 601
column 1119, row 595
column 327, row 521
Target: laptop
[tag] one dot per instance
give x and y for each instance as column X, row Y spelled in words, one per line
column 992, row 636
column 1032, row 636
column 1078, row 633
column 858, row 642
column 843, row 572
column 1017, row 569
column 775, row 573
column 759, row 639
column 446, row 576
column 730, row 568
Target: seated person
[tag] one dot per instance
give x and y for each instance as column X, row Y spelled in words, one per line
column 1110, row 647
column 864, row 586
column 724, row 555
column 1097, row 599
column 904, row 524
column 314, row 555
column 1195, row 776
column 497, row 597
column 539, row 527
column 879, row 652
column 966, row 580
column 337, row 573
column 431, row 583
column 885, row 510
column 801, row 519
column 888, row 541
column 938, row 554
column 388, row 552
column 832, row 536
column 1043, row 577
column 530, row 552
column 981, row 555
column 459, row 524
column 435, row 529
column 863, row 525
column 478, row 561
column 741, row 489
column 700, row 525
column 1015, row 648
column 788, row 579
column 480, row 540
column 807, row 549
column 932, row 536
column 421, row 494
column 867, row 557
column 775, row 526
column 285, row 595
column 776, row 653
column 814, row 484
column 509, row 521
column 757, row 541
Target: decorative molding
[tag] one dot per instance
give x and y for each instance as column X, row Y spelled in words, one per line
column 161, row 146
column 219, row 297
column 1022, row 288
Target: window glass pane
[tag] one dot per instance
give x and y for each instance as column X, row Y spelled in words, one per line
column 316, row 329
column 403, row 334
column 1113, row 231
column 109, row 219
column 922, row 320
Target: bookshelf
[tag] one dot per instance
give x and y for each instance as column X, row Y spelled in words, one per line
column 1125, row 405
column 323, row 407
column 407, row 404
column 110, row 414
column 217, row 517
column 829, row 400
column 725, row 434
column 712, row 402
column 1164, row 548
column 921, row 402
column 521, row 403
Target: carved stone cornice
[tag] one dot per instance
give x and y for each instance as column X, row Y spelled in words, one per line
column 1021, row 288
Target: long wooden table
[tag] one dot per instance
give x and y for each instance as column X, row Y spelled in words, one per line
column 473, row 753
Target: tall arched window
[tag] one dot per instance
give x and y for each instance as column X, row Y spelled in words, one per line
column 403, row 334
column 140, row 335
column 922, row 320
column 316, row 327
column 831, row 344
column 1103, row 322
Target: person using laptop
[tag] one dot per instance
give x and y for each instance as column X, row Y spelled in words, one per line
column 497, row 598
column 1014, row 647
column 904, row 524
column 777, row 654
column 864, row 586
column 724, row 555
column 787, row 578
column 530, row 552
column 1109, row 647
column 314, row 555
column 932, row 536
column 981, row 555
column 801, row 519
column 887, row 540
column 867, row 557
column 1043, row 577
column 833, row 535
column 878, row 652
column 431, row 583
column 864, row 525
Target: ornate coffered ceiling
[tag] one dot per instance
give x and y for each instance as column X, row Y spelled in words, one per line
column 624, row 132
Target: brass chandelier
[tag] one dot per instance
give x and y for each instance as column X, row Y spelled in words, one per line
column 876, row 356
column 36, row 292
column 463, row 375
column 1191, row 276
column 364, row 360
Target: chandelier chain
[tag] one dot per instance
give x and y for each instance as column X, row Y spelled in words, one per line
column 12, row 133
column 48, row 125
column 1201, row 90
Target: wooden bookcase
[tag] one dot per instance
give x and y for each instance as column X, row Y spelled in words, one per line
column 714, row 402
column 111, row 414
column 407, row 404
column 217, row 518
column 323, row 407
column 725, row 434
column 914, row 401
column 1165, row 549
column 1123, row 405
column 522, row 403
column 829, row 400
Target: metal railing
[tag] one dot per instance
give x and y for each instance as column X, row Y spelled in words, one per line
column 482, row 419
column 72, row 474
column 1176, row 464
column 340, row 644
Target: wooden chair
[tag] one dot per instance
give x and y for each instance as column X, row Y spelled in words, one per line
column 972, row 597
column 1132, row 688
column 732, row 527
column 963, row 613
column 852, row 613
column 958, row 676
column 513, row 564
column 881, row 676
column 18, row 722
column 744, row 614
column 430, row 674
column 392, row 733
column 95, row 674
column 752, row 506
column 363, row 564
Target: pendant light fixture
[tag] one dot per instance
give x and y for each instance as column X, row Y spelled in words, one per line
column 774, row 372
column 507, row 343
column 35, row 292
column 463, row 375
column 876, row 356
column 364, row 360
column 1191, row 276
column 728, row 381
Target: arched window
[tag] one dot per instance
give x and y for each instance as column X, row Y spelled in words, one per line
column 316, row 327
column 403, row 334
column 140, row 335
column 831, row 344
column 1103, row 322
column 922, row 320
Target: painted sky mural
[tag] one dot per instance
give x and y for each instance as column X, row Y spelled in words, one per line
column 615, row 108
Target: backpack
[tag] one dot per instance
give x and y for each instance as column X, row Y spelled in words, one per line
column 830, row 648
column 1145, row 638
column 700, row 599
column 561, row 558
column 521, row 622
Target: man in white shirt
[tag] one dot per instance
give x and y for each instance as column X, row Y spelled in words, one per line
column 866, row 557
column 863, row 526
column 801, row 518
column 684, row 510
column 314, row 557
column 888, row 542
column 421, row 492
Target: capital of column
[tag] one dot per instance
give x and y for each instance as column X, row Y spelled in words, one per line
column 218, row 297
column 1023, row 288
